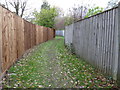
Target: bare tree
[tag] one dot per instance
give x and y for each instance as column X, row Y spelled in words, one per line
column 80, row 9
column 18, row 5
column 78, row 12
column 23, row 6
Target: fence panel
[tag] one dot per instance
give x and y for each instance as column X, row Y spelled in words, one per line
column 96, row 40
column 39, row 34
column 5, row 39
column 17, row 36
column 50, row 33
column 45, row 34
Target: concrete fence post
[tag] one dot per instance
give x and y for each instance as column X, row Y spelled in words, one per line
column 118, row 71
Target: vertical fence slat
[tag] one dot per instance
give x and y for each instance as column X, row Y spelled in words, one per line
column 96, row 39
column 118, row 17
column 102, row 39
column 116, row 46
column 14, row 41
column 111, row 41
column 0, row 40
column 5, row 40
column 107, row 42
column 104, row 32
column 10, row 25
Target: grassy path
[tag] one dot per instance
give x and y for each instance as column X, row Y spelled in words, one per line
column 51, row 65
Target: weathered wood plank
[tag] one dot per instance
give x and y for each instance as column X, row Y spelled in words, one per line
column 111, row 41
column 5, row 40
column 14, row 50
column 95, row 40
column 1, row 58
column 100, row 42
column 104, row 32
column 115, row 46
column 118, row 69
column 108, row 40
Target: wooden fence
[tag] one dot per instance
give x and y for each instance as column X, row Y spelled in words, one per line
column 17, row 36
column 97, row 40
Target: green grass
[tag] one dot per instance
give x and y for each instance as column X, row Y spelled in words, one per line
column 51, row 65
column 59, row 37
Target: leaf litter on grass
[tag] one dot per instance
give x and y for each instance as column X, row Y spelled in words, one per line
column 50, row 65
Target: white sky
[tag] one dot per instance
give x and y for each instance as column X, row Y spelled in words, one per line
column 65, row 4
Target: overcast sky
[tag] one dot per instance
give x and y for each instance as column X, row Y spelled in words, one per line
column 65, row 4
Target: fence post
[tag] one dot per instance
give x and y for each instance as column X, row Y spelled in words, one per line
column 118, row 71
column 0, row 40
column 0, row 47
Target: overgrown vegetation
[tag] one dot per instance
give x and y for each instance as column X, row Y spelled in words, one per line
column 51, row 65
column 94, row 11
column 81, row 12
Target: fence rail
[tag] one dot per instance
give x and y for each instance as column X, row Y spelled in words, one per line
column 17, row 36
column 96, row 39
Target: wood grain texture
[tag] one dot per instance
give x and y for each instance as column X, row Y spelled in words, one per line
column 0, row 39
column 18, row 35
column 118, row 68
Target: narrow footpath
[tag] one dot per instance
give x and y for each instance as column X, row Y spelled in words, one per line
column 51, row 65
